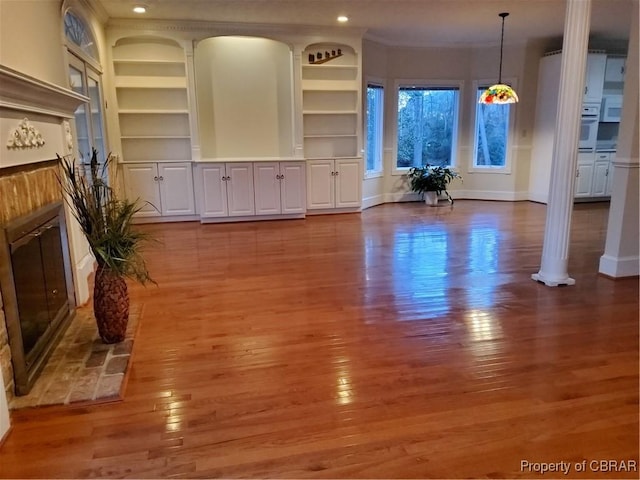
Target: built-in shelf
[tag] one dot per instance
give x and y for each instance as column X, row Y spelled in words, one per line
column 329, row 112
column 330, row 99
column 152, row 112
column 153, row 107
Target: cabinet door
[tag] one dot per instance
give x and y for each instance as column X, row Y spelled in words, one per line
column 266, row 182
column 213, row 194
column 348, row 183
column 141, row 182
column 321, row 185
column 293, row 187
column 610, row 171
column 584, row 176
column 176, row 188
column 594, row 77
column 599, row 183
column 240, row 189
column 615, row 69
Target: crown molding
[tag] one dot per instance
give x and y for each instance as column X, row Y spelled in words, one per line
column 228, row 28
column 97, row 9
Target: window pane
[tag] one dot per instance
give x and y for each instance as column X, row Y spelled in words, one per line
column 96, row 117
column 375, row 100
column 76, row 80
column 77, row 32
column 427, row 126
column 492, row 129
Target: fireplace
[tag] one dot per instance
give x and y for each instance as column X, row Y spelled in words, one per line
column 37, row 289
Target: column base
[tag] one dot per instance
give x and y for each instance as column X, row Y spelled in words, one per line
column 552, row 282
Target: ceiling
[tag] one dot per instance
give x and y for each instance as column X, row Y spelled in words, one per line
column 397, row 22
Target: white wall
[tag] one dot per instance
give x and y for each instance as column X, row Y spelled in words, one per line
column 30, row 39
column 244, row 88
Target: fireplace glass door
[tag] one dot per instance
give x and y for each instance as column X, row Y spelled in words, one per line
column 40, row 285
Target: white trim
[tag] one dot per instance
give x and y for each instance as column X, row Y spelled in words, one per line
column 369, row 202
column 617, row 267
column 426, row 83
column 28, row 94
column 83, row 270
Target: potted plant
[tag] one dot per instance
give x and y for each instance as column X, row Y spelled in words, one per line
column 107, row 223
column 431, row 181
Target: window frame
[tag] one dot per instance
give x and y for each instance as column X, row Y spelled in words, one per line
column 510, row 146
column 378, row 172
column 90, row 69
column 427, row 84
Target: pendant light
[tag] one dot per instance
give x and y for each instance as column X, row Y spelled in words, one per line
column 499, row 93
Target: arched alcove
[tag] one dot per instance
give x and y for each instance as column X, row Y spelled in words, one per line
column 244, row 89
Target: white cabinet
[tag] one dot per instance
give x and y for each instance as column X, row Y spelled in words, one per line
column 614, row 71
column 330, row 101
column 226, row 189
column 594, row 77
column 612, row 159
column 584, row 177
column 151, row 85
column 279, row 187
column 599, row 185
column 334, row 183
column 165, row 189
column 603, row 174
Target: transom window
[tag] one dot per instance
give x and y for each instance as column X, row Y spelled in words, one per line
column 80, row 35
column 427, row 126
column 491, row 135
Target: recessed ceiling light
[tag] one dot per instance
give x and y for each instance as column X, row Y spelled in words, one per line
column 140, row 9
column 343, row 18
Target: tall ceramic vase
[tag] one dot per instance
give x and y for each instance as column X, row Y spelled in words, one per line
column 110, row 305
column 431, row 198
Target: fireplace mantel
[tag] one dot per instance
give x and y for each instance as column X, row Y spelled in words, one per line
column 28, row 94
column 34, row 119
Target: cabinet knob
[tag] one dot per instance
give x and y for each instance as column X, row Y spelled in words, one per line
column 161, row 178
column 577, row 173
column 337, row 173
column 155, row 179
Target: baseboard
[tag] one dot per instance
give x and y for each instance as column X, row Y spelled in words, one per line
column 172, row 218
column 462, row 195
column 490, row 195
column 83, row 270
column 618, row 267
column 372, row 201
column 251, row 218
column 538, row 197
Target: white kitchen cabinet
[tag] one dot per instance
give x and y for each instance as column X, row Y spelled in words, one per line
column 165, row 189
column 279, row 187
column 614, row 71
column 594, row 77
column 599, row 183
column 612, row 158
column 334, row 183
column 226, row 189
column 584, row 178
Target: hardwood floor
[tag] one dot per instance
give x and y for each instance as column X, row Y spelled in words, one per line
column 405, row 342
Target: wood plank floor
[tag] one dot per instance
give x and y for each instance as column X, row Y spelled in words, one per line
column 405, row 342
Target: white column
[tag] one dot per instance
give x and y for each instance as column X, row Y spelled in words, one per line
column 621, row 256
column 555, row 249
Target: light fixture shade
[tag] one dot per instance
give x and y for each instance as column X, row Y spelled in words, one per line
column 498, row 94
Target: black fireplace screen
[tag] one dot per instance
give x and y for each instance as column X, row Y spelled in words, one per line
column 36, row 290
